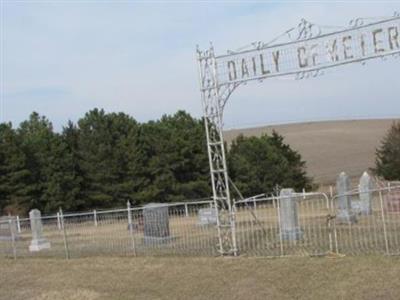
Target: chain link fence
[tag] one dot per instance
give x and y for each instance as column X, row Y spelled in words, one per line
column 190, row 228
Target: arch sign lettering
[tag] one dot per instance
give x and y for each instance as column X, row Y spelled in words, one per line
column 301, row 52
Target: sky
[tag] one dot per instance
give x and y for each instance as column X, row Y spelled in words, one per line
column 63, row 58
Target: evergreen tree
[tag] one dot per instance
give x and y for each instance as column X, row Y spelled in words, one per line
column 107, row 159
column 175, row 159
column 105, row 146
column 259, row 164
column 387, row 163
column 15, row 188
column 36, row 138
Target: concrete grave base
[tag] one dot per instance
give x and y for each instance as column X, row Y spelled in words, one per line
column 37, row 245
column 152, row 241
column 292, row 235
column 344, row 217
column 361, row 208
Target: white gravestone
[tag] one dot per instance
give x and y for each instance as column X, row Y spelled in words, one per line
column 289, row 219
column 365, row 194
column 207, row 216
column 38, row 241
column 345, row 213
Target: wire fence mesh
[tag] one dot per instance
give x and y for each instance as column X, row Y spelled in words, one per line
column 265, row 226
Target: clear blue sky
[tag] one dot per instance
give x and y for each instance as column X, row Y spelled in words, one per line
column 63, row 58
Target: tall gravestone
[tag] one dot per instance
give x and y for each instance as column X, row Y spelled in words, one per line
column 365, row 187
column 289, row 219
column 156, row 223
column 345, row 213
column 38, row 241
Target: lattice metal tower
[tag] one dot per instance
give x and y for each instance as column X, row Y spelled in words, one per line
column 213, row 100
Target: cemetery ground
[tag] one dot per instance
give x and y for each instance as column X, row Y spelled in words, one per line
column 331, row 277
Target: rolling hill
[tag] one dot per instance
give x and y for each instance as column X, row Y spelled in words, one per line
column 329, row 147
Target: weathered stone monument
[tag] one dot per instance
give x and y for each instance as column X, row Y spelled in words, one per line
column 207, row 216
column 365, row 191
column 345, row 213
column 8, row 228
column 289, row 219
column 38, row 241
column 156, row 223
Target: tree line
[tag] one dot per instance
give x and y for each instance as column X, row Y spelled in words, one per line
column 106, row 159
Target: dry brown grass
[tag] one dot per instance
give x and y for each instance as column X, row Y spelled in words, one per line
column 329, row 147
column 365, row 277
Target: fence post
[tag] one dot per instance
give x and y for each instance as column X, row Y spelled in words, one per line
column 58, row 221
column 130, row 226
column 331, row 191
column 14, row 248
column 384, row 223
column 64, row 234
column 186, row 210
column 18, row 225
column 279, row 224
column 95, row 217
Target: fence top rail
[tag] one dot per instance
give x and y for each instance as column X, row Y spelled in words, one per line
column 381, row 189
column 272, row 198
column 190, row 203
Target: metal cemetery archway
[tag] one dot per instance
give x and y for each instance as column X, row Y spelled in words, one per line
column 301, row 52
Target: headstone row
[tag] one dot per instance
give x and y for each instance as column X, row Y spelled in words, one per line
column 347, row 209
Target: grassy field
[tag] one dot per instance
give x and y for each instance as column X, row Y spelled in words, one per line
column 330, row 147
column 364, row 277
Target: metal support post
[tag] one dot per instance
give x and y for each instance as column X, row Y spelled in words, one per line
column 18, row 225
column 12, row 233
column 186, row 210
column 95, row 218
column 66, row 248
column 130, row 226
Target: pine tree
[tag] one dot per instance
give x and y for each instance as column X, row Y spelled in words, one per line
column 36, row 137
column 387, row 163
column 175, row 159
column 15, row 188
column 105, row 146
column 259, row 164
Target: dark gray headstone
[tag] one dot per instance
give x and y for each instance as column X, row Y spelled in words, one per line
column 156, row 223
column 345, row 213
column 38, row 241
column 289, row 219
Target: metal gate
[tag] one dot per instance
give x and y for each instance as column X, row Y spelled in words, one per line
column 267, row 226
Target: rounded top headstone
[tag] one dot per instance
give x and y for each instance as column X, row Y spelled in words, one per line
column 286, row 192
column 365, row 180
column 35, row 212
